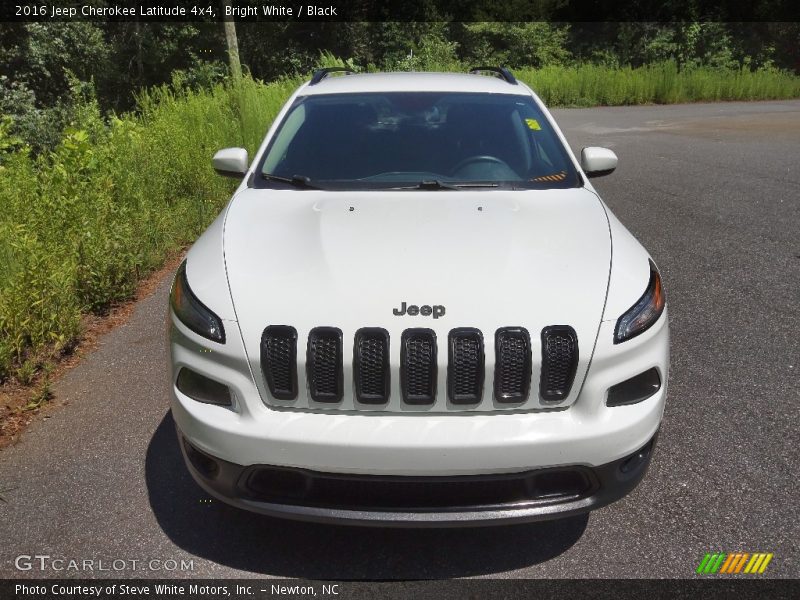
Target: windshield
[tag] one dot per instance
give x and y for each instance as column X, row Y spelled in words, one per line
column 409, row 140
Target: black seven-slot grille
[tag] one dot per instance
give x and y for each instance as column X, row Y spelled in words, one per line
column 418, row 364
column 465, row 366
column 559, row 362
column 418, row 370
column 371, row 365
column 279, row 360
column 512, row 370
column 324, row 364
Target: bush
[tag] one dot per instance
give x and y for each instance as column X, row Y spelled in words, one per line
column 81, row 224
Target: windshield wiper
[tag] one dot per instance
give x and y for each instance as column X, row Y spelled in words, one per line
column 436, row 184
column 298, row 181
column 428, row 184
column 478, row 184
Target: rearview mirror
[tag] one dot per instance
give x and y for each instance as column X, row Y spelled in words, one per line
column 230, row 162
column 596, row 161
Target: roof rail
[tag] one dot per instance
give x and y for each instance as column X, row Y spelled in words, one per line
column 500, row 72
column 321, row 74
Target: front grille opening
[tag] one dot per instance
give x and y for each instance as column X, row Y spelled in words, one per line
column 559, row 362
column 465, row 368
column 371, row 365
column 286, row 484
column 512, row 372
column 406, row 493
column 279, row 361
column 324, row 364
column 418, row 366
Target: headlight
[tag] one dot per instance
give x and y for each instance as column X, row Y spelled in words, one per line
column 192, row 312
column 645, row 312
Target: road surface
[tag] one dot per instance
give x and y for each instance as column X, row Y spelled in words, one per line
column 712, row 190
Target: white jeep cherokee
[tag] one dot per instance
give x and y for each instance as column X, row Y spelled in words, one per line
column 416, row 310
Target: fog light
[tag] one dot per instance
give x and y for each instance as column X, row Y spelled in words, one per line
column 635, row 389
column 203, row 389
column 635, row 460
column 201, row 461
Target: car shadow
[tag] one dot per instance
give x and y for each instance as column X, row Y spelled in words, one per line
column 251, row 542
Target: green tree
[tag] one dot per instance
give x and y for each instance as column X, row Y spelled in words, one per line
column 533, row 44
column 41, row 55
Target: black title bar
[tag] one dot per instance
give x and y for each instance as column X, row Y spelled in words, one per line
column 296, row 589
column 401, row 10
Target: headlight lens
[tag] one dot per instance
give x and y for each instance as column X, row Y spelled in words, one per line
column 645, row 312
column 192, row 312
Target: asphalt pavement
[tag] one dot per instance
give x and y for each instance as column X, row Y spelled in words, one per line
column 712, row 190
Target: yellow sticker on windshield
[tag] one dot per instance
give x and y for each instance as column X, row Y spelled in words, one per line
column 533, row 124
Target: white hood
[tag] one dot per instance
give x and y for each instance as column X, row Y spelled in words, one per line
column 348, row 259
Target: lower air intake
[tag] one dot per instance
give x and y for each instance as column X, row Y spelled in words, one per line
column 512, row 372
column 371, row 365
column 324, row 364
column 279, row 361
column 418, row 369
column 465, row 366
column 559, row 362
column 455, row 493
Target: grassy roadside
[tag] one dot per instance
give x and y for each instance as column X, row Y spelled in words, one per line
column 663, row 83
column 21, row 404
column 81, row 225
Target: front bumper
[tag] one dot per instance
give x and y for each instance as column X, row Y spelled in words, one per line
column 589, row 439
column 587, row 433
column 455, row 501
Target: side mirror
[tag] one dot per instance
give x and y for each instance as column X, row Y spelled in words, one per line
column 230, row 162
column 597, row 162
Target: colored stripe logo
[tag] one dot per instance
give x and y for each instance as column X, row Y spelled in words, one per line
column 732, row 563
column 560, row 176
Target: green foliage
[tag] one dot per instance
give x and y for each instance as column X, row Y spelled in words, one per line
column 146, row 55
column 432, row 51
column 41, row 394
column 200, row 75
column 40, row 127
column 687, row 44
column 81, row 224
column 710, row 43
column 328, row 59
column 515, row 45
column 42, row 54
column 661, row 83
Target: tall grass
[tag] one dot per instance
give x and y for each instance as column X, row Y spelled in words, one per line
column 82, row 224
column 662, row 83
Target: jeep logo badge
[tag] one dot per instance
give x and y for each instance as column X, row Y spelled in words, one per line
column 437, row 310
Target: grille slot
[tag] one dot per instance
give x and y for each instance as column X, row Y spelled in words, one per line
column 324, row 364
column 465, row 366
column 512, row 372
column 279, row 361
column 418, row 368
column 559, row 362
column 371, row 365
